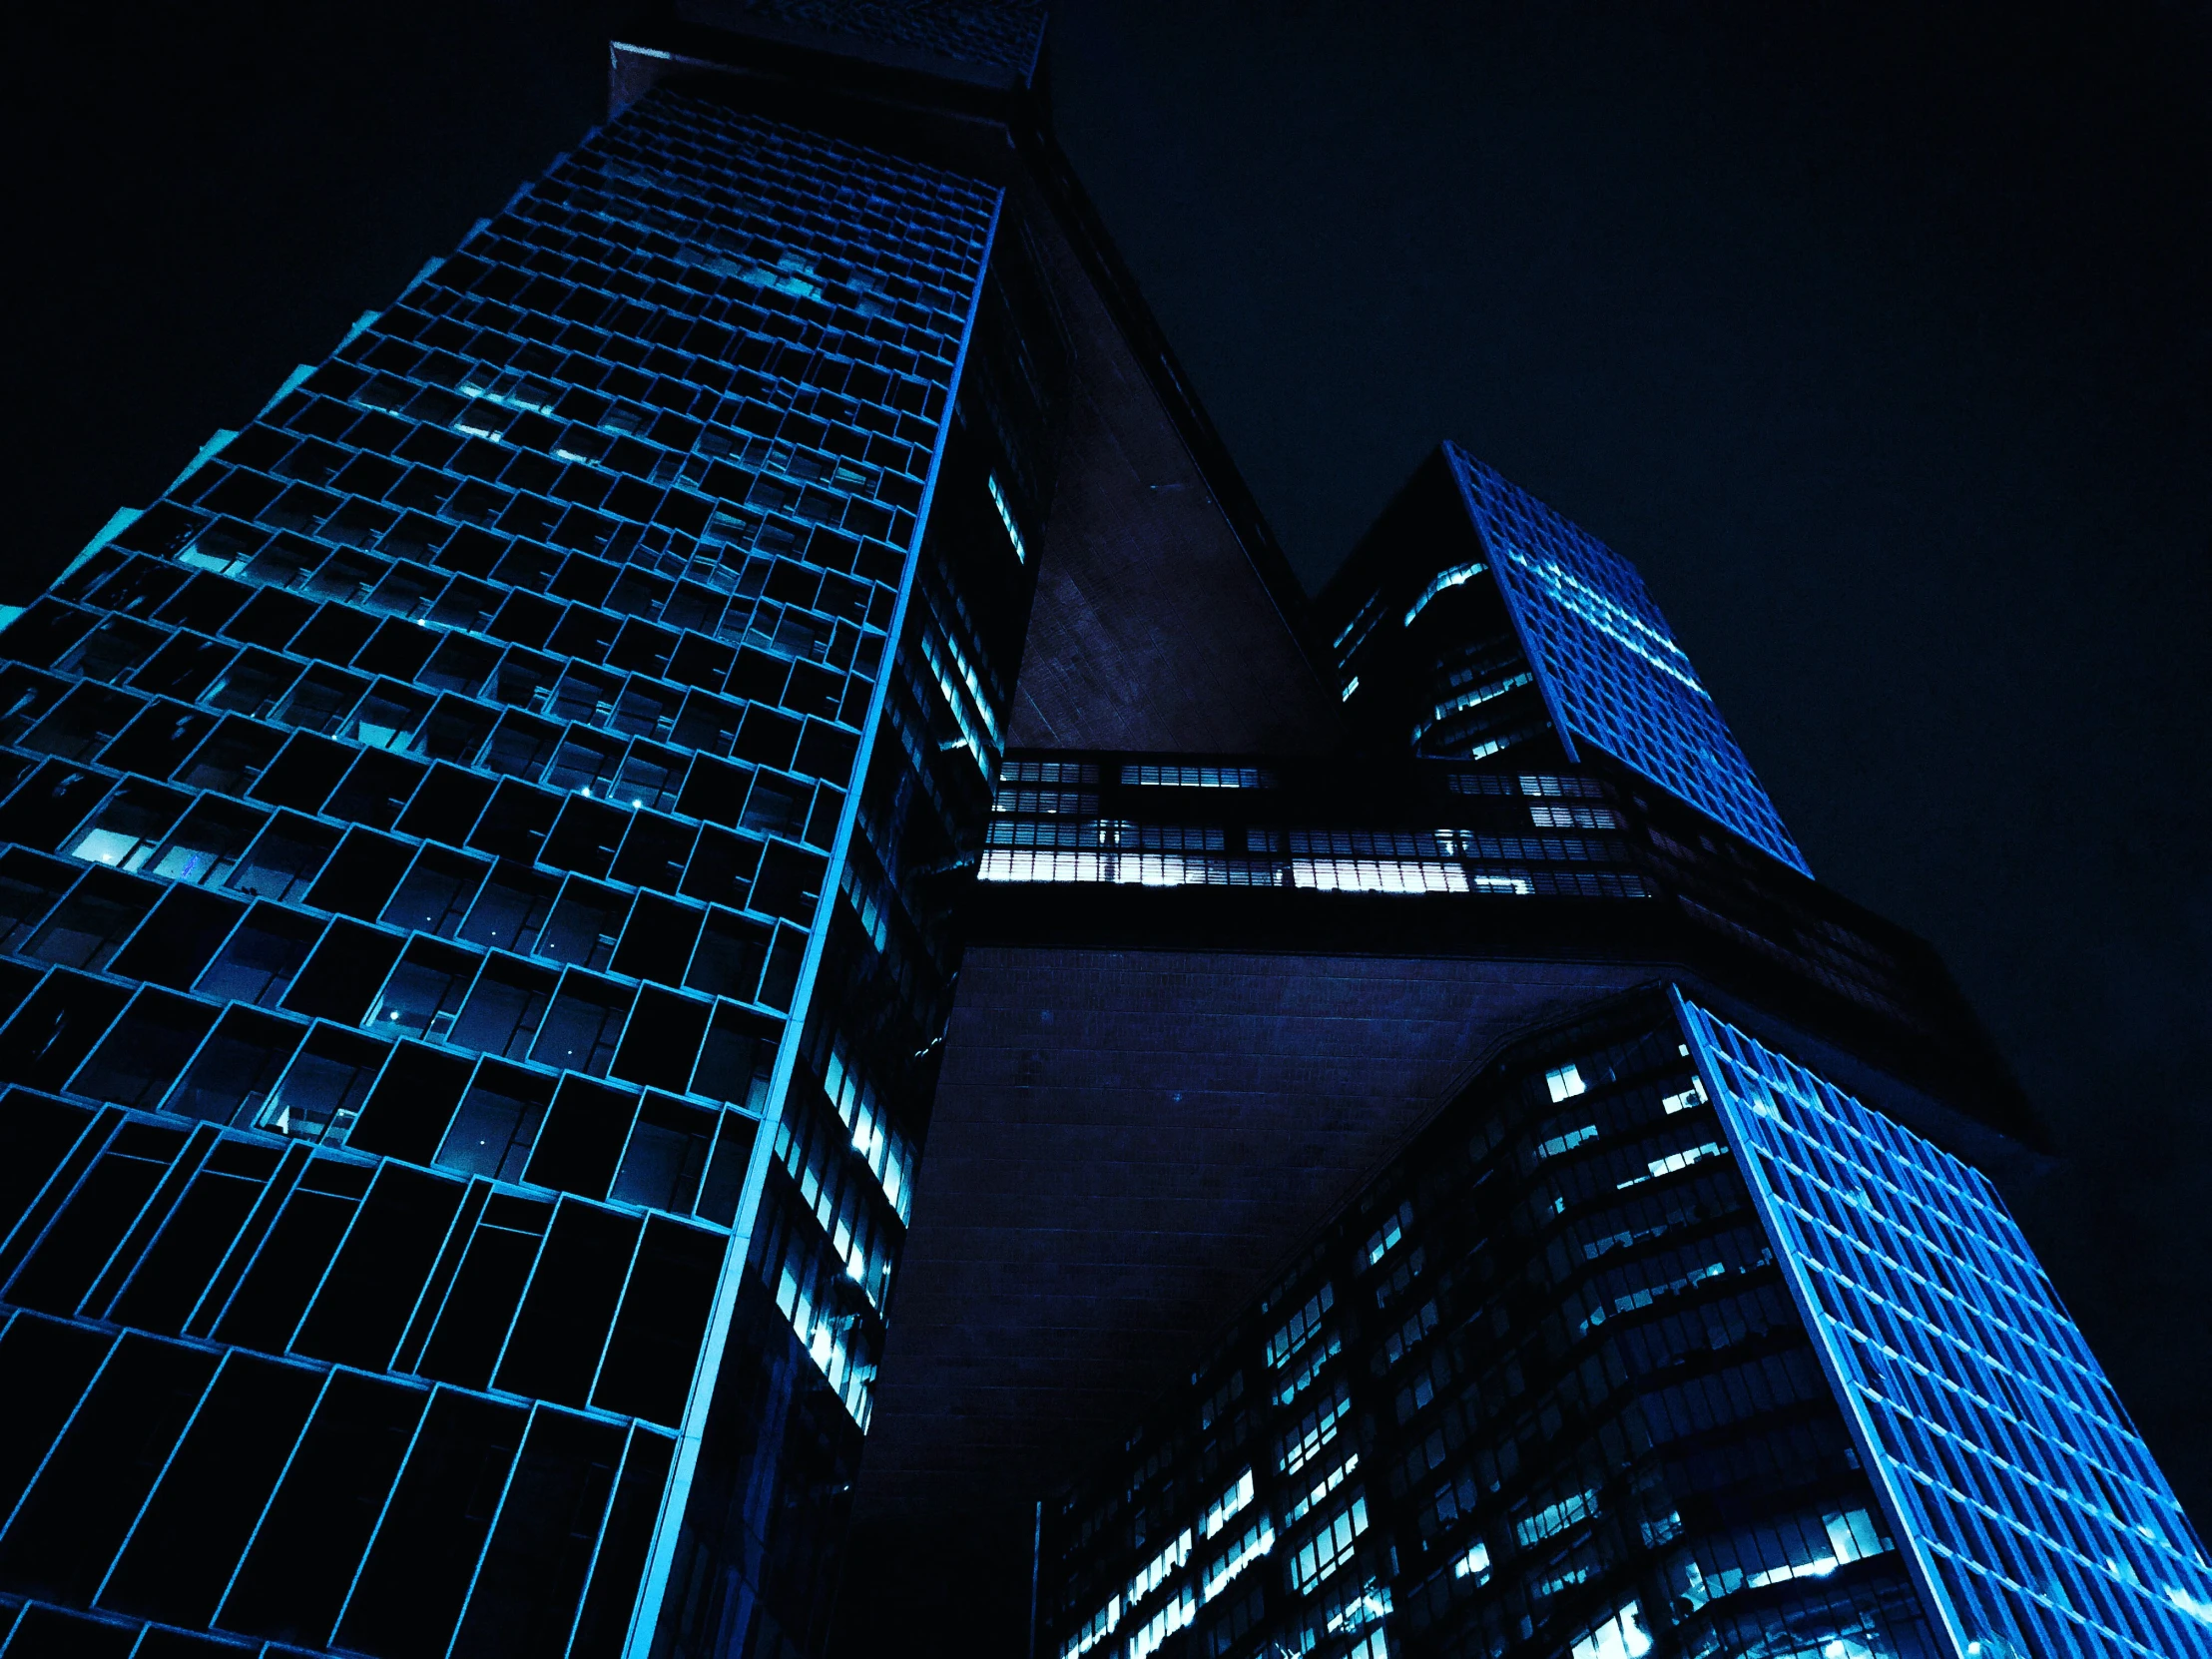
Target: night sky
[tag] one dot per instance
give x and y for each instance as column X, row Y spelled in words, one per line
column 1879, row 336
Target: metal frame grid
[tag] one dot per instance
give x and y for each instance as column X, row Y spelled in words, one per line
column 2040, row 1524
column 1611, row 670
column 569, row 584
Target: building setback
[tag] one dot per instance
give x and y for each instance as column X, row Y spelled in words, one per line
column 757, row 662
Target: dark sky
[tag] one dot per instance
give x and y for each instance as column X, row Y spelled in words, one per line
column 1878, row 335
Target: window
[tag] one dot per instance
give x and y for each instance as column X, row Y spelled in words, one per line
column 1328, row 1550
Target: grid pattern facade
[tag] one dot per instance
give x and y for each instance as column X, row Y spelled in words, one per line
column 2032, row 1503
column 1540, row 1390
column 1610, row 663
column 1651, row 1343
column 426, row 823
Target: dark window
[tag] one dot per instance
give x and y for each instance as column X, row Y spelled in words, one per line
column 31, row 884
column 497, row 1123
column 285, row 858
column 376, row 788
column 364, row 1301
column 585, row 923
column 308, row 1547
column 407, row 1113
column 237, row 1067
column 141, row 1057
column 261, row 958
column 583, row 1024
column 583, row 1137
column 342, row 977
column 198, row 1520
column 74, row 1518
column 656, row 1338
column 424, row 991
column 732, row 951
column 436, row 891
column 525, row 1595
column 472, row 1325
column 294, row 1255
column 321, row 1094
column 207, row 845
column 90, row 924
column 665, row 1155
column 657, row 944
column 181, row 1263
column 511, row 909
column 554, row 1348
column 232, row 757
column 180, row 937
column 447, row 806
column 361, row 874
column 663, row 1040
column 655, row 851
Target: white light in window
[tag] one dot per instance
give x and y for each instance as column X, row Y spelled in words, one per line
column 1443, row 583
column 1350, row 688
column 2201, row 1611
column 1007, row 517
column 1564, row 1082
column 102, row 847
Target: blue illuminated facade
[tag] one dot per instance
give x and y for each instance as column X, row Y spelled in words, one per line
column 1650, row 1342
column 2037, row 1521
column 757, row 662
column 1476, row 620
column 477, row 927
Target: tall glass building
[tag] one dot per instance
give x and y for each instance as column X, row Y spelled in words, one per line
column 756, row 663
column 1651, row 1342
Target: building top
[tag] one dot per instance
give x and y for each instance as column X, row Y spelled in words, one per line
column 1612, row 668
column 990, row 42
column 1528, row 629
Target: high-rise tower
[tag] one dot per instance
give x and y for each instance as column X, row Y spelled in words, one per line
column 483, row 850
column 757, row 664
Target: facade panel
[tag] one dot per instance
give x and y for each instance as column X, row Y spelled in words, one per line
column 478, row 898
column 1475, row 620
column 487, row 861
column 1545, row 1385
column 2040, row 1524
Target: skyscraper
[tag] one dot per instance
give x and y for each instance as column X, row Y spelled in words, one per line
column 1652, row 1342
column 482, row 846
column 753, row 664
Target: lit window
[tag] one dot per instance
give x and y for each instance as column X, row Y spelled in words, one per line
column 1620, row 1637
column 1564, row 1082
column 1227, row 1506
column 1328, row 1550
column 1007, row 517
column 1443, row 583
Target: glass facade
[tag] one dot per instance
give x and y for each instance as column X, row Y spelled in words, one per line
column 1545, row 1387
column 485, row 861
column 477, row 927
column 1529, row 629
column 2040, row 1523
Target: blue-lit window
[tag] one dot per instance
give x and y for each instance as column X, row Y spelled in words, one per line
column 2032, row 1506
column 1610, row 659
